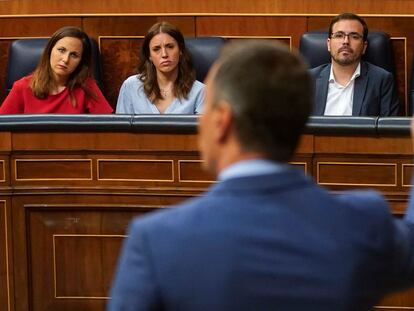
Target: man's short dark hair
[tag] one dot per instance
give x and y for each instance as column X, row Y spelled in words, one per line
column 349, row 16
column 270, row 92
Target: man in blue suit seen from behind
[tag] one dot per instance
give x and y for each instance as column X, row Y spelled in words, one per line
column 347, row 85
column 265, row 237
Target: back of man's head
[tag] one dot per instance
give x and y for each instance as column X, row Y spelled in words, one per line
column 270, row 93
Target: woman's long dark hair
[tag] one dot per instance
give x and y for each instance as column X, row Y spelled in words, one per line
column 42, row 82
column 147, row 71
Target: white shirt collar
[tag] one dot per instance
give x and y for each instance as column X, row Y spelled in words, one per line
column 355, row 75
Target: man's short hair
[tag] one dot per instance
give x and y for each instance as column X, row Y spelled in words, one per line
column 270, row 92
column 349, row 16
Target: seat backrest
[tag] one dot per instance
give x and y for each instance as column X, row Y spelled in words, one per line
column 24, row 55
column 204, row 51
column 411, row 90
column 379, row 51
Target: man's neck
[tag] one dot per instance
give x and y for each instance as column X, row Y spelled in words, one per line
column 343, row 74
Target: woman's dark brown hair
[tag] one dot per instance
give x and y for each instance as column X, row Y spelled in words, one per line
column 42, row 80
column 147, row 71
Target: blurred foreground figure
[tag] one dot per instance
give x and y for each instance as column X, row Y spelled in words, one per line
column 265, row 237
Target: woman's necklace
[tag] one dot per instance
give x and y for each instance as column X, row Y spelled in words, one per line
column 165, row 92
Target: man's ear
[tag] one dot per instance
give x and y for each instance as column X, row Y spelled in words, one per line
column 223, row 120
column 365, row 47
column 328, row 41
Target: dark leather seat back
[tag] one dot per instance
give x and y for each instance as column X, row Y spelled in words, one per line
column 379, row 51
column 24, row 55
column 204, row 51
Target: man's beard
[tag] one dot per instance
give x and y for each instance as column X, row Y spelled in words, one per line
column 345, row 61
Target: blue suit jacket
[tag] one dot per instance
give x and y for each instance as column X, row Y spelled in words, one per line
column 374, row 91
column 270, row 242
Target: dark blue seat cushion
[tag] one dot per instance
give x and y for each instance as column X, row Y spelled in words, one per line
column 204, row 51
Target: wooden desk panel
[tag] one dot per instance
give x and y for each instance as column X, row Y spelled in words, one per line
column 73, row 195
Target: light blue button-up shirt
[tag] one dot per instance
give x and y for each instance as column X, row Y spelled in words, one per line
column 132, row 100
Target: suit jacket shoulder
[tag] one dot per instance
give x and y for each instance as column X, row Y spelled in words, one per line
column 321, row 70
column 242, row 232
column 375, row 93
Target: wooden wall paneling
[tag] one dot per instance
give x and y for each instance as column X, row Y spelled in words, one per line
column 303, row 158
column 57, row 171
column 399, row 46
column 79, row 254
column 123, row 142
column 4, row 55
column 406, row 174
column 35, row 26
column 69, row 245
column 120, row 40
column 388, row 172
column 52, row 169
column 397, row 301
column 397, row 205
column 252, row 26
column 5, row 149
column 120, row 59
column 4, row 172
column 20, row 259
column 161, row 170
column 87, row 171
column 191, row 171
column 346, row 172
column 400, row 146
column 108, row 7
column 133, row 25
column 215, row 6
column 6, row 264
column 3, row 161
column 181, row 170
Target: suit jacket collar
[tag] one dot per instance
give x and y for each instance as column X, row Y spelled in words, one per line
column 321, row 85
column 360, row 87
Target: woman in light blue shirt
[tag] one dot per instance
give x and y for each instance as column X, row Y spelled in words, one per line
column 166, row 78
